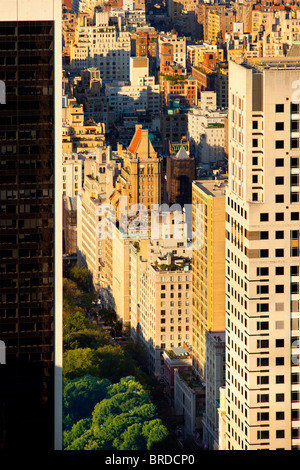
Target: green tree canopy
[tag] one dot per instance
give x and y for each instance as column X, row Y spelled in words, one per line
column 114, row 363
column 124, row 420
column 81, row 276
column 79, row 362
column 82, row 394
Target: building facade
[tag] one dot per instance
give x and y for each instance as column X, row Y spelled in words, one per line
column 214, row 380
column 262, row 258
column 208, row 266
column 31, row 226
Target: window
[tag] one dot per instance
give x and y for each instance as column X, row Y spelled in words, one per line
column 295, row 378
column 294, row 143
column 279, row 126
column 262, row 308
column 264, row 253
column 294, row 288
column 280, row 434
column 279, row 397
column 279, row 270
column 279, row 343
column 279, row 198
column 279, row 108
column 261, row 289
column 279, row 234
column 263, row 325
column 254, row 179
column 262, row 362
column 262, row 416
column 295, row 162
column 262, row 343
column 254, row 124
column 279, row 252
column 262, row 434
column 279, row 180
column 262, row 271
column 279, row 216
column 279, row 144
column 264, row 235
column 280, row 379
column 294, row 215
column 262, row 398
column 279, row 289
column 254, row 161
column 295, row 180
column 254, row 142
column 264, row 217
column 263, row 380
column 294, row 270
column 279, row 162
column 279, row 361
column 294, row 197
column 280, row 415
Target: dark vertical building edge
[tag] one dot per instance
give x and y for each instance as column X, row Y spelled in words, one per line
column 27, row 194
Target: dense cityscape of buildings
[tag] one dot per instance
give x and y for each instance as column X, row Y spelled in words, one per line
column 158, row 144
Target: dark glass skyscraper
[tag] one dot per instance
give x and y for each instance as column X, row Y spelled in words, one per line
column 30, row 278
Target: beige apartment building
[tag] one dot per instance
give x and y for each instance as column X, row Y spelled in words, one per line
column 262, row 258
column 100, row 175
column 178, row 44
column 206, row 131
column 77, row 135
column 104, row 46
column 219, row 23
column 140, row 93
column 165, row 300
column 195, row 53
column 72, row 175
column 160, row 287
column 208, row 266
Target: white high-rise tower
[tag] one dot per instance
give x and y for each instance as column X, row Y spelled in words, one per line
column 262, row 257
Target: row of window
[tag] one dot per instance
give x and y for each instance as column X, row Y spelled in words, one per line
column 279, row 252
column 279, row 216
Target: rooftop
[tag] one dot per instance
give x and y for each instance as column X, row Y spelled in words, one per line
column 273, row 63
column 215, row 188
column 178, row 353
column 218, row 335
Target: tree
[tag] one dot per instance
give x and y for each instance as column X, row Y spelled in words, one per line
column 136, row 350
column 81, row 395
column 124, row 420
column 75, row 321
column 156, row 436
column 108, row 315
column 124, row 385
column 89, row 338
column 77, row 430
column 87, row 302
column 133, row 438
column 81, row 276
column 114, row 363
column 79, row 362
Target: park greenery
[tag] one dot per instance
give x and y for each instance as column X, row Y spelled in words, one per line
column 108, row 397
column 116, row 416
